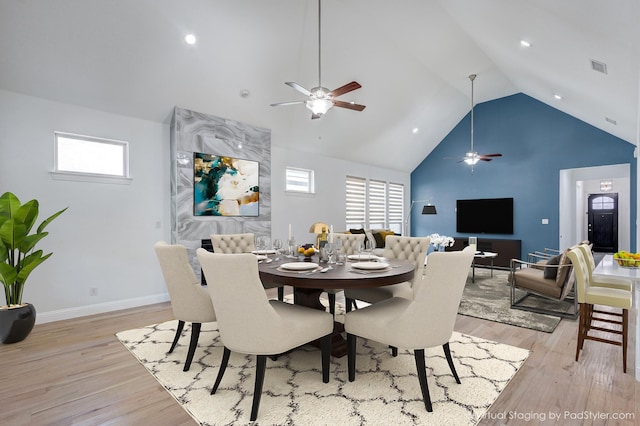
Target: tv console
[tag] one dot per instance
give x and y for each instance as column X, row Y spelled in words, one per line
column 506, row 250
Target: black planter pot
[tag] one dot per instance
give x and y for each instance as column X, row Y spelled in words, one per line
column 16, row 323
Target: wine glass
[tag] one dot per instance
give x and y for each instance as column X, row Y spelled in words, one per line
column 277, row 246
column 330, row 249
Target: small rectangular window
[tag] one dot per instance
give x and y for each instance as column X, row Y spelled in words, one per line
column 90, row 158
column 300, row 180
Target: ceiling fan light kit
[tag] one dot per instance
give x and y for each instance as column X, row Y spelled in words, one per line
column 472, row 157
column 321, row 99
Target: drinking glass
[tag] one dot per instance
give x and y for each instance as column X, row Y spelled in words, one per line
column 292, row 247
column 277, row 246
column 259, row 244
column 340, row 256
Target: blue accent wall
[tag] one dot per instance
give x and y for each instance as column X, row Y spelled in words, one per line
column 536, row 141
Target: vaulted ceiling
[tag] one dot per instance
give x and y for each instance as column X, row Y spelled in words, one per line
column 412, row 57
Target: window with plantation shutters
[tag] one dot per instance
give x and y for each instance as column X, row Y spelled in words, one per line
column 356, row 201
column 377, row 204
column 374, row 204
column 395, row 210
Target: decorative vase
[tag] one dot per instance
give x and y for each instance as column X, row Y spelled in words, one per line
column 16, row 323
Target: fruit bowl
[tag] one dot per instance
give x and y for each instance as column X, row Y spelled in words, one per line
column 627, row 260
column 307, row 250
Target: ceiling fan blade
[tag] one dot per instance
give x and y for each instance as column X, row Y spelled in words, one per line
column 298, row 88
column 349, row 87
column 490, row 155
column 349, row 105
column 485, row 159
column 288, row 103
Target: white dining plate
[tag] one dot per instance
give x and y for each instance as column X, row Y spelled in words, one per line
column 299, row 266
column 264, row 252
column 370, row 265
column 362, row 257
column 261, row 257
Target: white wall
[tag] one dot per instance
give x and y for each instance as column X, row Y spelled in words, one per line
column 328, row 203
column 105, row 239
column 575, row 184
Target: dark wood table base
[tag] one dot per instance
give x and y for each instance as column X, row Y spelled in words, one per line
column 311, row 297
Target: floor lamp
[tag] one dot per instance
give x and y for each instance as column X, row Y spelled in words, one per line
column 427, row 209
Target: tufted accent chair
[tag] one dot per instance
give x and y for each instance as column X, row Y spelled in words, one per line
column 349, row 246
column 239, row 243
column 190, row 301
column 413, row 249
column 350, row 242
column 233, row 243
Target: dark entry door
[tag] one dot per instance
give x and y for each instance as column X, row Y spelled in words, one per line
column 603, row 222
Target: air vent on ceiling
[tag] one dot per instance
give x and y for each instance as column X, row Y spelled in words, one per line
column 598, row 66
column 611, row 120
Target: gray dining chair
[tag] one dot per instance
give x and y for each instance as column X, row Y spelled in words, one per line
column 190, row 301
column 396, row 247
column 425, row 321
column 240, row 243
column 249, row 323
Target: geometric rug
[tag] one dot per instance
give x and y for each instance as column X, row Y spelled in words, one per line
column 490, row 298
column 386, row 390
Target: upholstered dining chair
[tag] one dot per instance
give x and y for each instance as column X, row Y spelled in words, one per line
column 396, row 247
column 422, row 322
column 190, row 301
column 249, row 323
column 589, row 296
column 239, row 243
column 350, row 244
column 610, row 282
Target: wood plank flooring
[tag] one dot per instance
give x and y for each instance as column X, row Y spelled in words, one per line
column 75, row 372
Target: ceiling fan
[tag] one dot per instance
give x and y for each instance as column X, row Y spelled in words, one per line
column 322, row 99
column 472, row 157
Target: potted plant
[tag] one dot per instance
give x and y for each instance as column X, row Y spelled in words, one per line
column 18, row 258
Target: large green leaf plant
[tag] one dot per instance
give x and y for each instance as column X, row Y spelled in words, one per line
column 17, row 255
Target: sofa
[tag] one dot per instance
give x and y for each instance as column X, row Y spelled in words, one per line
column 375, row 238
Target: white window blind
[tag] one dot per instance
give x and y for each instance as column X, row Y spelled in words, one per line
column 377, row 204
column 395, row 211
column 356, row 191
column 300, row 180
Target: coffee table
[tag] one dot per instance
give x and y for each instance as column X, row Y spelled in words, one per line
column 482, row 255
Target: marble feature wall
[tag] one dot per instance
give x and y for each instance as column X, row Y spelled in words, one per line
column 196, row 132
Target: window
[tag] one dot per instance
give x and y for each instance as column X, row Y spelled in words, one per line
column 299, row 180
column 603, row 203
column 90, row 159
column 356, row 202
column 374, row 204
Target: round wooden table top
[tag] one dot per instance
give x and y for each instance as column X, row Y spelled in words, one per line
column 338, row 277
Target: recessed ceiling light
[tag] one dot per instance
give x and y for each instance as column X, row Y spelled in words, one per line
column 190, row 39
column 557, row 96
column 415, row 130
column 525, row 43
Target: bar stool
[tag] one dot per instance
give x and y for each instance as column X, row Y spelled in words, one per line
column 609, row 282
column 588, row 296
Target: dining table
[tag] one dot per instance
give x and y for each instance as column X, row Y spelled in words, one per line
column 310, row 282
column 608, row 267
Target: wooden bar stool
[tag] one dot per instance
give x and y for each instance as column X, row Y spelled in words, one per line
column 588, row 296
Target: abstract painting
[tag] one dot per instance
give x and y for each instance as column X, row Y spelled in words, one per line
column 224, row 186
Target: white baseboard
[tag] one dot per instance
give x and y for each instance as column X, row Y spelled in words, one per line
column 99, row 308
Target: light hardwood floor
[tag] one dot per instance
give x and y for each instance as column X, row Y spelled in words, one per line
column 77, row 372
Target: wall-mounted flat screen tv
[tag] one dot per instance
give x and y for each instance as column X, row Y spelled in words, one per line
column 485, row 216
column 225, row 186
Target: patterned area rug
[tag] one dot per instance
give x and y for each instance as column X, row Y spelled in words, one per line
column 489, row 298
column 386, row 389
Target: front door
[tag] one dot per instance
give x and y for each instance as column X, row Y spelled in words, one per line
column 603, row 222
